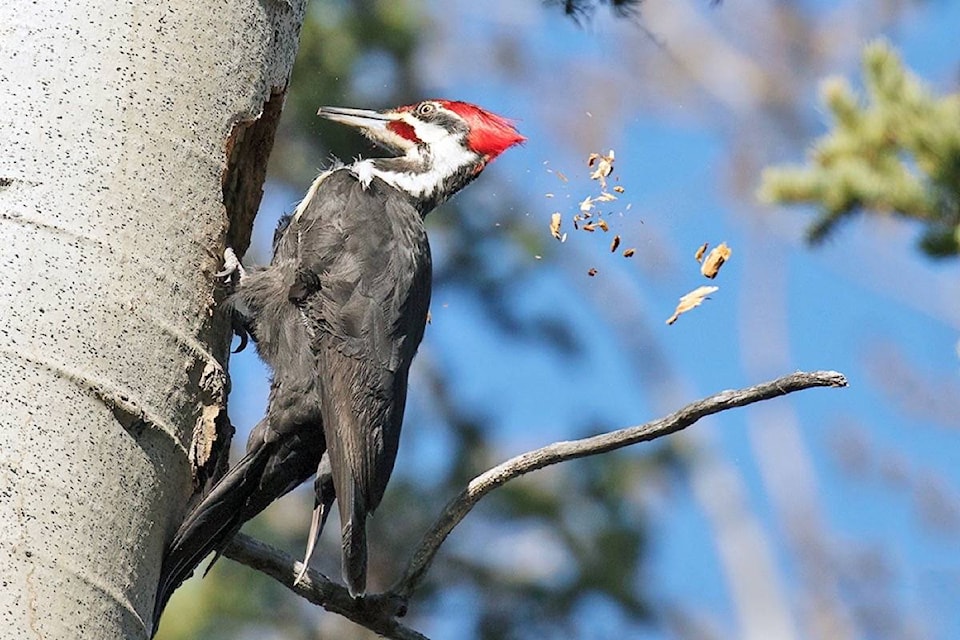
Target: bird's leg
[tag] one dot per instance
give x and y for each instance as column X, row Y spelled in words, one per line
column 233, row 275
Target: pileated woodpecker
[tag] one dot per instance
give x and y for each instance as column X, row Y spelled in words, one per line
column 338, row 316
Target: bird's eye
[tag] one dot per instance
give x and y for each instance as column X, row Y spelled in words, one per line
column 426, row 109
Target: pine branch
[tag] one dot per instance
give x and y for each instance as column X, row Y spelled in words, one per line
column 895, row 150
column 379, row 612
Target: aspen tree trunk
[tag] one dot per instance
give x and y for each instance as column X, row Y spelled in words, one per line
column 130, row 133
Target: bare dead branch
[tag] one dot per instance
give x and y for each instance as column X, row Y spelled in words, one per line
column 460, row 506
column 379, row 612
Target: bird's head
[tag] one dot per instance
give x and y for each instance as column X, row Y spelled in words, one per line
column 434, row 124
column 441, row 145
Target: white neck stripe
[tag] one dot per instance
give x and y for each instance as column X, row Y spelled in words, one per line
column 444, row 159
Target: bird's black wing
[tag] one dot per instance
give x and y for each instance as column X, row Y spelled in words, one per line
column 364, row 289
column 272, row 467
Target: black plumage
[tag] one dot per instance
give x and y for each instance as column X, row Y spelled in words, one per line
column 350, row 278
column 338, row 316
column 364, row 302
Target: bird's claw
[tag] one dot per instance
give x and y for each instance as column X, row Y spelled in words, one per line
column 241, row 328
column 232, row 269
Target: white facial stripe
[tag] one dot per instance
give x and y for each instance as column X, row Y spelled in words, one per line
column 447, row 158
column 426, row 131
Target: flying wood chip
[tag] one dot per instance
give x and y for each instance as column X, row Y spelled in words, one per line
column 702, row 249
column 604, row 166
column 592, row 272
column 615, row 243
column 691, row 301
column 555, row 220
column 628, row 253
column 714, row 260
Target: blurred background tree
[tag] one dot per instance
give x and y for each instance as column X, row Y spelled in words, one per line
column 899, row 153
column 802, row 519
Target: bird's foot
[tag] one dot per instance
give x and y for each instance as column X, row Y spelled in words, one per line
column 303, row 571
column 233, row 272
column 304, row 579
column 232, row 275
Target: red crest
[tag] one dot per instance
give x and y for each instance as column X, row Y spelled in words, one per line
column 490, row 134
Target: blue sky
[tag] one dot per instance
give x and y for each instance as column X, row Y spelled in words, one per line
column 862, row 303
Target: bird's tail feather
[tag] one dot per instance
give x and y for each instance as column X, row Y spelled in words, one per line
column 210, row 525
column 353, row 514
column 274, row 465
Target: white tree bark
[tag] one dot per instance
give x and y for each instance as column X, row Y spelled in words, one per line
column 128, row 136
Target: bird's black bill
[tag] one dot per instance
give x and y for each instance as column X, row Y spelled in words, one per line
column 360, row 118
column 383, row 127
